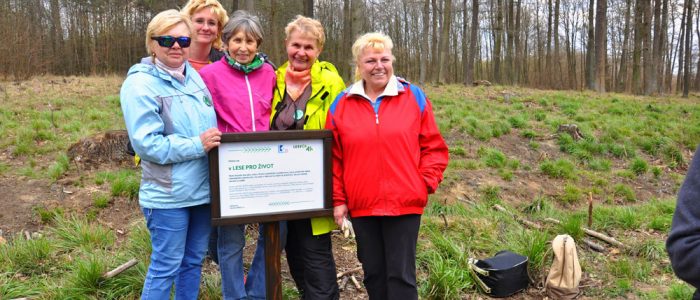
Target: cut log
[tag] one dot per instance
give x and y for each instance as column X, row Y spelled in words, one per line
column 120, row 269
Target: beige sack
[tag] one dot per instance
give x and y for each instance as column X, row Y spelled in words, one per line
column 565, row 274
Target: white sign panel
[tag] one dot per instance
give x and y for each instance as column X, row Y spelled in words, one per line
column 270, row 176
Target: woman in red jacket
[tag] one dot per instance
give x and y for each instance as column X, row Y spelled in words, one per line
column 388, row 156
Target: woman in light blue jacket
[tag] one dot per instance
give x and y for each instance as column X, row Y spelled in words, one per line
column 172, row 125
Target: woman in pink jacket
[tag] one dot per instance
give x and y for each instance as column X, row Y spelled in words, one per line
column 241, row 85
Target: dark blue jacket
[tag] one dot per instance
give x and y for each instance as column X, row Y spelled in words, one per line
column 683, row 244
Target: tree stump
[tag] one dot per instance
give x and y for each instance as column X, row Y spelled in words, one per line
column 102, row 148
column 572, row 130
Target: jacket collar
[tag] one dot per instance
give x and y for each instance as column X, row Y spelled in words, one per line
column 317, row 83
column 147, row 66
column 393, row 87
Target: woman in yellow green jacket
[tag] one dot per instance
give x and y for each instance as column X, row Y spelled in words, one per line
column 305, row 90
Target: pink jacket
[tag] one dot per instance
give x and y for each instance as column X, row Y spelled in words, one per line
column 242, row 102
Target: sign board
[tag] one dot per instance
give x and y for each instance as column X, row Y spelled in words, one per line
column 271, row 176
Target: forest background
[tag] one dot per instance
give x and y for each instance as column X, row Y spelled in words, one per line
column 641, row 46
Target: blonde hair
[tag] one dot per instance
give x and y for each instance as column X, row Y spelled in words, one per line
column 193, row 6
column 163, row 22
column 372, row 40
column 307, row 26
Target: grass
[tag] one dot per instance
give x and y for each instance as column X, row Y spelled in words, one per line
column 72, row 232
column 521, row 164
column 560, row 168
column 59, row 167
column 27, row 257
column 625, row 192
column 493, row 158
column 42, row 120
column 639, row 166
column 101, row 201
column 123, row 183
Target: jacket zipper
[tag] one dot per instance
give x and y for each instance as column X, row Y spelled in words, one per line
column 381, row 156
column 250, row 97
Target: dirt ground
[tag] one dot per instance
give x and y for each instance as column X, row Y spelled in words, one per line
column 21, row 197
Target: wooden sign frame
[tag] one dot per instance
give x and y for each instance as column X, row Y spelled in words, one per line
column 273, row 137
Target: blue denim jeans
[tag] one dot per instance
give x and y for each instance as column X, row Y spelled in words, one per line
column 230, row 252
column 179, row 239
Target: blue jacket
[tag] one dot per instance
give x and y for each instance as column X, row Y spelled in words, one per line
column 164, row 119
column 683, row 244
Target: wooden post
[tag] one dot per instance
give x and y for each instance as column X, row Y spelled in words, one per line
column 590, row 209
column 273, row 267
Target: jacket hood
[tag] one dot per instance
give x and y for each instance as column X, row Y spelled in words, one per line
column 145, row 66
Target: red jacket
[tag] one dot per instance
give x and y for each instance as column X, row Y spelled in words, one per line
column 385, row 163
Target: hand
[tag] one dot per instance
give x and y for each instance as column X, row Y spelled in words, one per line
column 210, row 139
column 339, row 214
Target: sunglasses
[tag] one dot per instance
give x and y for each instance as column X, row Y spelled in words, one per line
column 168, row 41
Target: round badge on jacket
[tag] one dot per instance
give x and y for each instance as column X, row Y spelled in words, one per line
column 298, row 114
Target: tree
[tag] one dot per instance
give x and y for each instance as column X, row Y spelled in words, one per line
column 309, row 8
column 469, row 69
column 444, row 38
column 590, row 42
column 498, row 38
column 648, row 60
column 688, row 41
column 555, row 57
column 601, row 37
column 623, row 83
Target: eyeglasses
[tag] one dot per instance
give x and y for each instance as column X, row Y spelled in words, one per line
column 169, row 41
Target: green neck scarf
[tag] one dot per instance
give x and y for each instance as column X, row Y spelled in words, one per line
column 257, row 62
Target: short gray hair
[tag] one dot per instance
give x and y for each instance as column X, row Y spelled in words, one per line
column 249, row 24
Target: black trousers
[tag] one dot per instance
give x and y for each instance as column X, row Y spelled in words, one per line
column 386, row 247
column 311, row 261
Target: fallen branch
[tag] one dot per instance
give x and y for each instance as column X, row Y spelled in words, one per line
column 595, row 246
column 466, row 199
column 608, row 239
column 355, row 282
column 526, row 222
column 343, row 283
column 120, row 269
column 355, row 270
column 444, row 219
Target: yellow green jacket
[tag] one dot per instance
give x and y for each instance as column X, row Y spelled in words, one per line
column 326, row 84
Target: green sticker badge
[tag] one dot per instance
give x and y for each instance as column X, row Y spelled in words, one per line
column 207, row 101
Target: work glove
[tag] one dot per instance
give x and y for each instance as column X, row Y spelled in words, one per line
column 347, row 229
